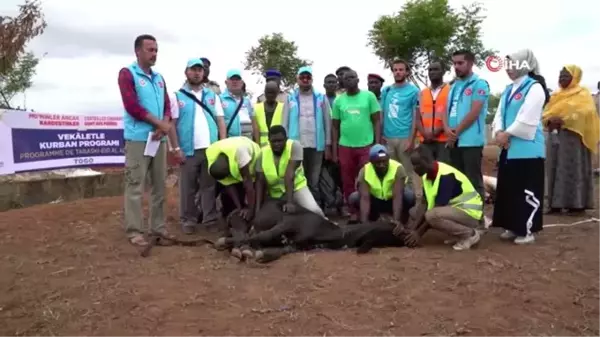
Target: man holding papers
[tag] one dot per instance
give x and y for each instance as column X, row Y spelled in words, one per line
column 147, row 117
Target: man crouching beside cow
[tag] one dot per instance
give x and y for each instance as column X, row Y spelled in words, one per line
column 288, row 219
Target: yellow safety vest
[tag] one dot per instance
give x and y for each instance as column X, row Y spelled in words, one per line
column 275, row 176
column 381, row 189
column 229, row 146
column 261, row 119
column 469, row 201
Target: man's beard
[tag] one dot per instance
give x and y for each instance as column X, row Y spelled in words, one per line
column 403, row 79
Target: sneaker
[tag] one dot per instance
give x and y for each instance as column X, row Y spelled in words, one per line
column 468, row 242
column 521, row 240
column 507, row 235
column 188, row 227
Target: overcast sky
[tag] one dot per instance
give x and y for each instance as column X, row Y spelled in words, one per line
column 87, row 42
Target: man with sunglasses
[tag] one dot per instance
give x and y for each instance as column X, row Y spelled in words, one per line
column 307, row 118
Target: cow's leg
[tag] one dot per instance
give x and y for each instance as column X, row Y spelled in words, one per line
column 271, row 236
column 238, row 229
column 267, row 255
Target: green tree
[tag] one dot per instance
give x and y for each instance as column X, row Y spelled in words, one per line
column 427, row 30
column 493, row 102
column 275, row 52
column 17, row 66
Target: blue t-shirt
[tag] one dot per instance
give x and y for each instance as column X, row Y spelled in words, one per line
column 479, row 92
column 398, row 105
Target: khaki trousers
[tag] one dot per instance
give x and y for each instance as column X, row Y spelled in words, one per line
column 452, row 221
column 137, row 168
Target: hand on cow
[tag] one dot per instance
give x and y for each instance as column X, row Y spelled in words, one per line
column 399, row 229
column 247, row 214
column 411, row 239
column 289, row 207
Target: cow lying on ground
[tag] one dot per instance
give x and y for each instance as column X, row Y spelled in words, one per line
column 305, row 231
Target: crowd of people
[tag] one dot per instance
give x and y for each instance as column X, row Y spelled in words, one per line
column 412, row 157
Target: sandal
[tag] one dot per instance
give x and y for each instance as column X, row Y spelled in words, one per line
column 138, row 240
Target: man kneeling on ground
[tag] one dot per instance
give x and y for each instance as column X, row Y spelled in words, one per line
column 279, row 170
column 381, row 189
column 232, row 163
column 450, row 204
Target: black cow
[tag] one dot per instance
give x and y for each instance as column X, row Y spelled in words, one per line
column 305, row 231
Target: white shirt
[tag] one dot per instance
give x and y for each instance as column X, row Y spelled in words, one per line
column 201, row 129
column 243, row 155
column 529, row 115
column 244, row 114
column 435, row 92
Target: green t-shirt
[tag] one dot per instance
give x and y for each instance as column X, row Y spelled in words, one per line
column 354, row 114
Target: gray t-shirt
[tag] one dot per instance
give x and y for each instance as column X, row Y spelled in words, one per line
column 296, row 155
column 307, row 122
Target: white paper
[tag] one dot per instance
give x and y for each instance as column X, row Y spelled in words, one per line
column 151, row 146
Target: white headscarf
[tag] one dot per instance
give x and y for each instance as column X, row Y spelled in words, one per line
column 526, row 61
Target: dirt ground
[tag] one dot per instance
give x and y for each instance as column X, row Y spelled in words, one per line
column 66, row 269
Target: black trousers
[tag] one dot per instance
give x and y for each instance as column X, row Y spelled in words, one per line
column 519, row 195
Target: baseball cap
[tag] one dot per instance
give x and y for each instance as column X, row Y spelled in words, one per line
column 377, row 151
column 305, row 69
column 234, row 72
column 195, row 62
column 272, row 73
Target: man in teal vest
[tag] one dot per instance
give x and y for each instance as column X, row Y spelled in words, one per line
column 199, row 118
column 206, row 82
column 239, row 113
column 381, row 188
column 307, row 118
column 467, row 108
column 147, row 118
column 450, row 203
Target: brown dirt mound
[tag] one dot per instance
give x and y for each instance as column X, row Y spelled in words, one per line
column 67, row 269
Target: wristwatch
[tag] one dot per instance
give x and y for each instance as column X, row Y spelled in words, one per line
column 176, row 149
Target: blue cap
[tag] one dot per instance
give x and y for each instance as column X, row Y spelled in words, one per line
column 305, row 69
column 377, row 151
column 195, row 62
column 272, row 73
column 234, row 72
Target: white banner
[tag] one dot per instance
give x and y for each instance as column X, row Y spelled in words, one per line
column 32, row 141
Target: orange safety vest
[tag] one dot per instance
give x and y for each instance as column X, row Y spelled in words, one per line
column 432, row 110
